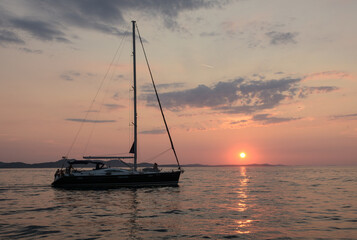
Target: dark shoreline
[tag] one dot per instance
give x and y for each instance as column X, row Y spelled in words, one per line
column 116, row 163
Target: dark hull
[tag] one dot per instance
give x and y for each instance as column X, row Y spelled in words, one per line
column 115, row 181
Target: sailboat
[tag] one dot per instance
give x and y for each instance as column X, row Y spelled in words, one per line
column 104, row 176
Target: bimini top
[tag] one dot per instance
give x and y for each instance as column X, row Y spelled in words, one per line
column 73, row 162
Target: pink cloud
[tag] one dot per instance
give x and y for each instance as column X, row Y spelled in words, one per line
column 329, row 75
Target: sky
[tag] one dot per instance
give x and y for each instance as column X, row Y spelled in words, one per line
column 274, row 79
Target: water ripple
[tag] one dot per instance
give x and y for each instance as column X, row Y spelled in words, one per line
column 211, row 203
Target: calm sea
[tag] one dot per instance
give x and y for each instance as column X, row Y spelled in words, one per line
column 210, row 203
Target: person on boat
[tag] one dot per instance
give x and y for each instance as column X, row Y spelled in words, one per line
column 155, row 167
column 99, row 165
column 69, row 169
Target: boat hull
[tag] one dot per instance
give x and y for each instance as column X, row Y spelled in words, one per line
column 115, row 181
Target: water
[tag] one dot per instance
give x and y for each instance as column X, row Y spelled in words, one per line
column 211, row 203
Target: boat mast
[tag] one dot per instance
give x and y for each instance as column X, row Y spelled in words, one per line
column 135, row 113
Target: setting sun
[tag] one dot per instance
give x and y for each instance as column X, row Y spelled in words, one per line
column 242, row 155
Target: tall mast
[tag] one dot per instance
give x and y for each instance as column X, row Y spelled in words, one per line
column 135, row 113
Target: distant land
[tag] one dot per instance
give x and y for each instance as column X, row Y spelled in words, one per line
column 115, row 163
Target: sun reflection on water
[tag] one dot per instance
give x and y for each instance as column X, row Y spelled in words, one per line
column 242, row 191
column 243, row 225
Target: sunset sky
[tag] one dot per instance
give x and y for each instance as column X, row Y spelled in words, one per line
column 274, row 79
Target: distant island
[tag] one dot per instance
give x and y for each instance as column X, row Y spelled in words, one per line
column 117, row 163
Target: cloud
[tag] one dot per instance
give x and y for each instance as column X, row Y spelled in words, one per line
column 209, row 34
column 249, row 96
column 170, row 10
column 268, row 119
column 27, row 50
column 256, row 32
column 70, row 75
column 281, row 38
column 241, row 95
column 149, row 88
column 67, row 77
column 329, row 75
column 305, row 91
column 106, row 15
column 345, row 116
column 201, row 96
column 120, row 76
column 243, row 121
column 88, row 120
column 7, row 36
column 113, row 106
column 115, row 96
column 55, row 20
column 154, row 131
column 41, row 29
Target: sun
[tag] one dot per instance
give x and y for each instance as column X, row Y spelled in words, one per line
column 242, row 155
